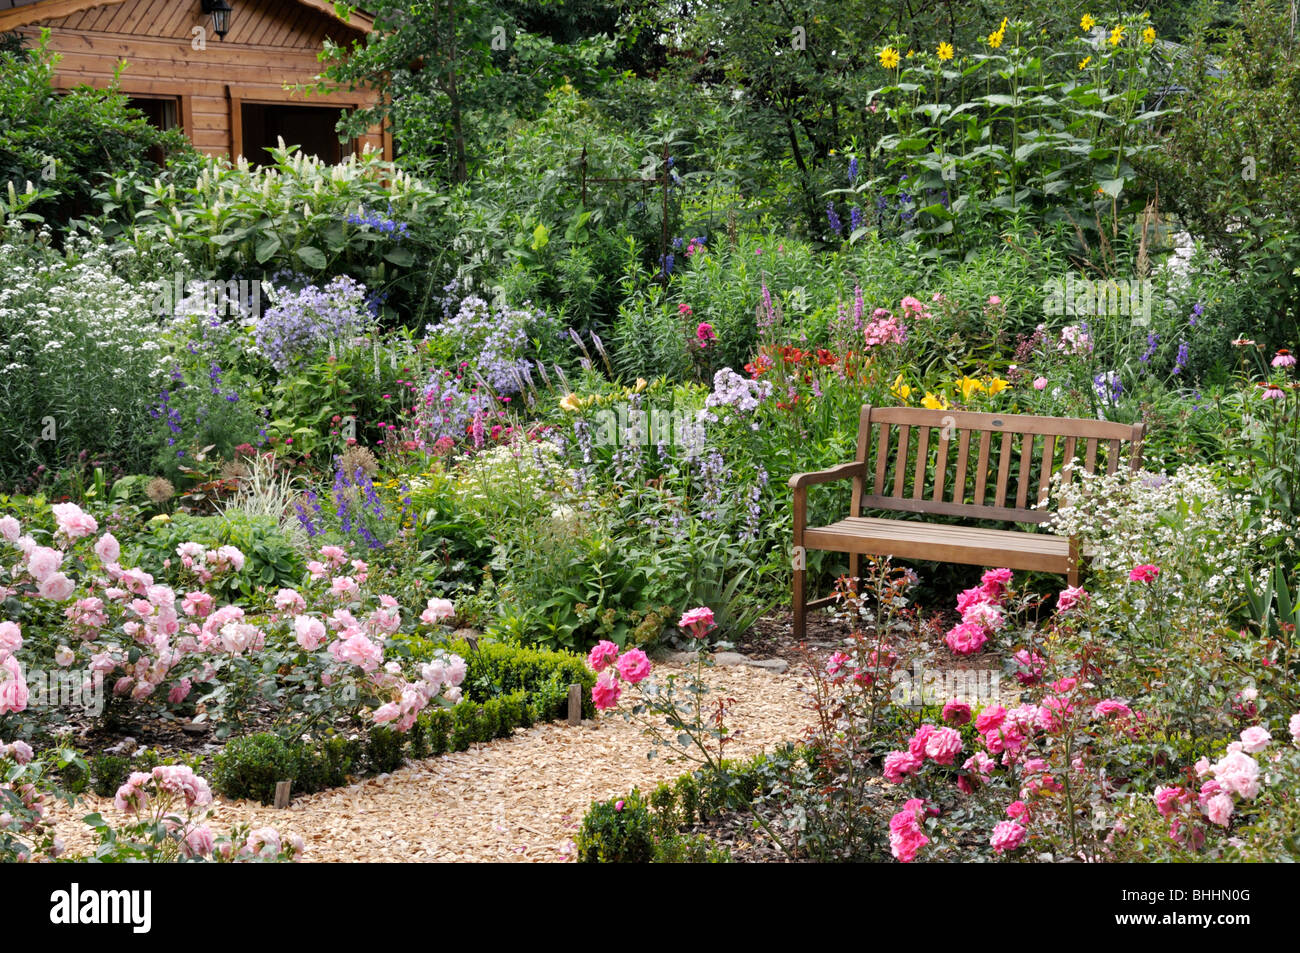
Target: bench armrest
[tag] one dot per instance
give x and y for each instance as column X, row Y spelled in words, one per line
column 843, row 471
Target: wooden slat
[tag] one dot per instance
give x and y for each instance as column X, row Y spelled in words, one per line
column 1067, row 461
column 922, row 459
column 959, row 481
column 940, row 465
column 900, row 459
column 964, row 510
column 1090, row 459
column 1025, row 471
column 1015, row 423
column 882, row 458
column 982, row 468
column 1112, row 456
column 1004, row 471
column 1045, row 471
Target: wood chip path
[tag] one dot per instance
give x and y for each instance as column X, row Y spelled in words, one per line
column 515, row 799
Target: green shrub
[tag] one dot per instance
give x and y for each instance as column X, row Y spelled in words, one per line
column 325, row 764
column 249, row 767
column 620, row 831
column 384, row 750
column 108, row 772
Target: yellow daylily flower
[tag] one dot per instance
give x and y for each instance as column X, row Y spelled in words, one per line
column 900, row 389
column 640, row 385
column 888, row 57
column 570, row 402
column 995, row 385
column 933, row 402
column 968, row 386
column 945, row 51
column 1087, row 23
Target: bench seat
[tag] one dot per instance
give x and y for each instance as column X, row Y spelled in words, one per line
column 1004, row 470
column 943, row 542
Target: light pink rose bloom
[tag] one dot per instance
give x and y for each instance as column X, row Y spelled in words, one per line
column 344, row 587
column 1070, row 597
column 1255, row 739
column 265, row 840
column 697, row 622
column 74, row 523
column 1238, row 772
column 20, row 751
column 1294, row 726
column 180, row 691
column 437, row 610
column 64, row 656
column 43, row 562
column 985, row 614
column 107, row 548
column 633, row 666
column 334, row 555
column 1168, row 799
column 386, row 713
column 13, row 687
column 11, row 637
column 358, row 650
column 290, row 600
column 56, row 587
column 456, row 670
column 199, row 842
column 1219, row 809
column 10, row 529
column 1040, row 383
column 309, row 631
column 25, row 544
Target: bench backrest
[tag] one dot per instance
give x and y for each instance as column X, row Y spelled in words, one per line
column 979, row 466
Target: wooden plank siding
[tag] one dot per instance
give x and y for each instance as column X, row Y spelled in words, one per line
column 271, row 44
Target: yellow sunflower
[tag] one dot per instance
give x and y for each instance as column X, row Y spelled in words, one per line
column 945, row 51
column 1087, row 23
column 888, row 57
column 1149, row 35
column 1116, row 35
column 1083, row 63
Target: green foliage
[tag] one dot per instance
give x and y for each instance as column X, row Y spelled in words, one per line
column 617, row 832
column 250, row 767
column 63, row 141
column 270, row 559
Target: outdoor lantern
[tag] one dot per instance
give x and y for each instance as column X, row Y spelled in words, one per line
column 219, row 10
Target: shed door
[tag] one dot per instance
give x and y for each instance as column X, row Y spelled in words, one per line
column 309, row 127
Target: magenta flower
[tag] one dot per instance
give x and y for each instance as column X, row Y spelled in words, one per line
column 1144, row 573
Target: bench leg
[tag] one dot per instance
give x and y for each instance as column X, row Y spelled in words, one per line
column 1073, row 574
column 800, row 605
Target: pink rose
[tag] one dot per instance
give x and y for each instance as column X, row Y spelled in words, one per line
column 956, row 713
column 1255, row 739
column 1168, row 799
column 1040, row 383
column 602, row 655
column 344, row 587
column 1294, row 727
column 1144, row 573
column 1219, row 809
column 437, row 610
column 899, row 765
column 606, row 691
column 905, row 835
column 386, row 713
column 990, row 719
column 943, row 745
column 1008, row 835
column 179, row 691
column 43, row 561
column 633, row 666
column 966, row 639
column 13, row 687
column 107, row 548
column 1111, row 706
column 199, row 842
column 358, row 650
column 11, row 637
column 309, row 632
column 10, row 529
column 73, row 522
column 1070, row 597
column 290, row 600
column 56, row 587
column 996, row 581
column 697, row 622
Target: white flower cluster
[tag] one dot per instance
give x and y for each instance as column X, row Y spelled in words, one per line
column 1186, row 523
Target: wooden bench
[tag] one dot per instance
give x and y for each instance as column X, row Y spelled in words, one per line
column 1009, row 455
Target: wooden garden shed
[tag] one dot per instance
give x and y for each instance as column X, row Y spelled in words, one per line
column 226, row 93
